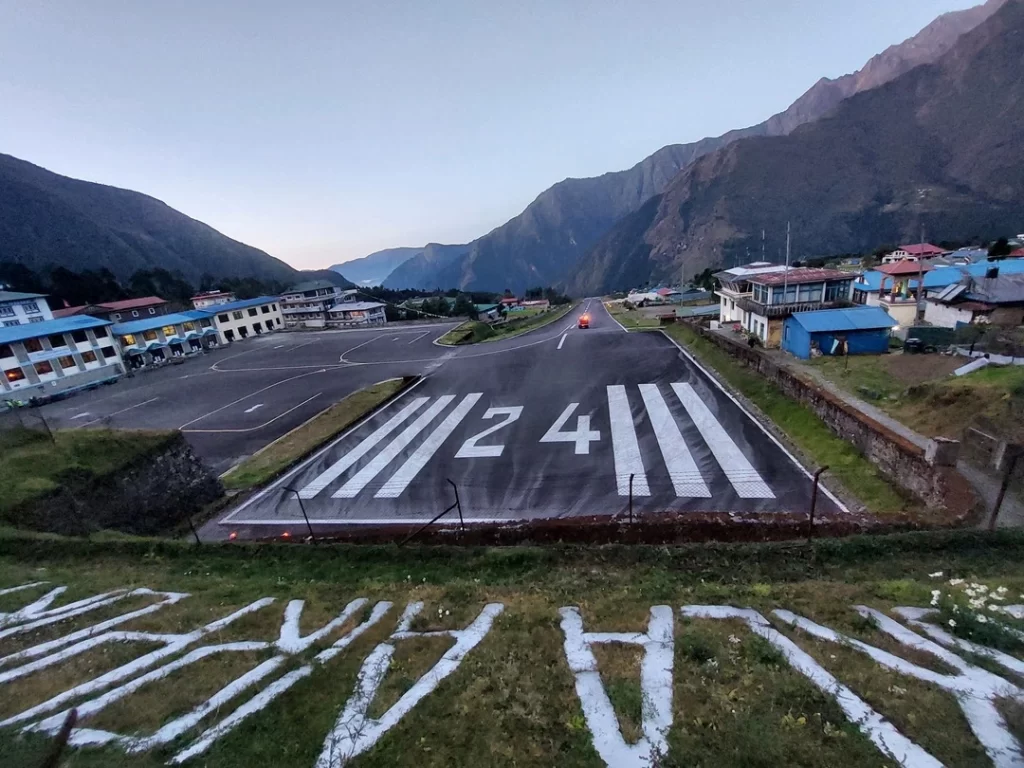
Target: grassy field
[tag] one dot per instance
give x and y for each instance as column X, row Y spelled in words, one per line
column 918, row 391
column 816, row 441
column 736, row 701
column 265, row 465
column 474, row 331
column 631, row 318
column 32, row 464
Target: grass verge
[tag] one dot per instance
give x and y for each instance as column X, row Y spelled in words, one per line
column 631, row 318
column 816, row 441
column 475, row 332
column 268, row 463
column 512, row 701
column 33, row 465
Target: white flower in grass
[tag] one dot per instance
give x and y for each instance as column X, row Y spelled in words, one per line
column 734, row 640
column 993, row 607
column 958, row 582
column 936, row 575
column 952, row 623
column 1002, row 590
column 982, row 619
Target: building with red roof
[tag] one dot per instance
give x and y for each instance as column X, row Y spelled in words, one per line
column 117, row 311
column 914, row 252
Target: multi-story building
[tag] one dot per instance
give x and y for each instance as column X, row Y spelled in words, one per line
column 118, row 311
column 913, row 253
column 156, row 339
column 247, row 317
column 349, row 313
column 23, row 308
column 762, row 296
column 308, row 304
column 209, row 299
column 56, row 356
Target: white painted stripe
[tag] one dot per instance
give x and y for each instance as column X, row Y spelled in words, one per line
column 383, row 522
column 686, row 478
column 81, row 416
column 628, row 460
column 123, row 410
column 562, row 340
column 359, row 481
column 737, row 468
column 255, row 407
column 335, row 471
column 399, row 481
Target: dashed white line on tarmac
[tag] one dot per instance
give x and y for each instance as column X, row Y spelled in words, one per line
column 244, row 397
column 280, row 346
column 562, row 340
column 264, row 424
column 115, row 413
column 255, row 407
column 80, row 416
column 425, row 333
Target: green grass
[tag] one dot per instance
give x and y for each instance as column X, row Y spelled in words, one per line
column 264, row 466
column 512, row 702
column 816, row 441
column 631, row 318
column 32, row 465
column 474, row 331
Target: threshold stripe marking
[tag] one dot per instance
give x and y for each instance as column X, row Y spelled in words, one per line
column 686, row 477
column 628, row 460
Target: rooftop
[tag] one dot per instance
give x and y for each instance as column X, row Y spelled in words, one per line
column 159, row 321
column 355, row 306
column 241, row 304
column 1004, row 289
column 904, row 267
column 6, row 296
column 744, row 271
column 120, row 306
column 922, row 249
column 855, row 319
column 800, row 275
column 69, row 311
column 47, row 327
column 313, row 285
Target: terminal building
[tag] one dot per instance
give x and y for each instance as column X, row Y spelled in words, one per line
column 158, row 339
column 247, row 317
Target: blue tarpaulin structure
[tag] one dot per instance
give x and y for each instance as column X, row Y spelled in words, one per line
column 856, row 331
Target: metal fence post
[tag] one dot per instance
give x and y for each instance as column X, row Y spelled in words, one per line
column 193, row 527
column 1011, row 465
column 631, row 476
column 814, row 503
column 304, row 516
column 458, row 505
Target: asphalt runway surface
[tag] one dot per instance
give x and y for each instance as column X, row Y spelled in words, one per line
column 559, row 422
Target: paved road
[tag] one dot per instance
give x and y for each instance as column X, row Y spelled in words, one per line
column 550, row 424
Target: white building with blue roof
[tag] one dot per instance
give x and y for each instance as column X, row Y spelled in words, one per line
column 55, row 357
column 244, row 318
column 161, row 338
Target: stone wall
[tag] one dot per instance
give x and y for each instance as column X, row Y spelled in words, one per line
column 904, row 463
column 153, row 494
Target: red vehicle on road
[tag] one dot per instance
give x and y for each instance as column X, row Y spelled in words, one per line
column 584, row 321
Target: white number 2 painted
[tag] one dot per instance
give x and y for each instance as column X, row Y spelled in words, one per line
column 583, row 435
column 470, row 449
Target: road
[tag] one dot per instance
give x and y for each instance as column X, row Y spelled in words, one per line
column 560, row 422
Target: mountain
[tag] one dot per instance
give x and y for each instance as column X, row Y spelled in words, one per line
column 939, row 147
column 372, row 269
column 544, row 243
column 49, row 219
column 435, row 266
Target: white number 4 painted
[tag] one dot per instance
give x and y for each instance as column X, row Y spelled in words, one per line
column 583, row 435
column 470, row 449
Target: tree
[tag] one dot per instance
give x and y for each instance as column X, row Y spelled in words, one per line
column 463, row 307
column 705, row 280
column 1000, row 249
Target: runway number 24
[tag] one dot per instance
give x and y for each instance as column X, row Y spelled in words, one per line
column 581, row 437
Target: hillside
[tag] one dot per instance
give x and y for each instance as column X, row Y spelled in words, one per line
column 436, row 266
column 938, row 147
column 545, row 243
column 372, row 269
column 46, row 218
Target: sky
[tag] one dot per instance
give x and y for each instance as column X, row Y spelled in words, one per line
column 323, row 130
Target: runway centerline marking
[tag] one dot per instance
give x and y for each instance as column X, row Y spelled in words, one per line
column 280, row 346
column 335, row 471
column 115, row 413
column 81, row 415
column 251, row 394
column 686, row 478
column 394, row 448
column 737, row 468
column 562, row 340
column 261, row 426
column 255, row 407
column 626, row 449
column 425, row 333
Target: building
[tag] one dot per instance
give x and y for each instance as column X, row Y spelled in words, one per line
column 734, row 285
column 761, row 299
column 508, row 302
column 116, row 311
column 669, row 295
column 209, row 299
column 486, row 313
column 536, row 304
column 23, row 308
column 307, row 304
column 913, row 253
column 246, row 317
column 56, row 356
column 157, row 339
column 994, row 299
column 901, row 288
column 853, row 331
column 354, row 313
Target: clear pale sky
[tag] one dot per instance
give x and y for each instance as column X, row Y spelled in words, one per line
column 322, row 130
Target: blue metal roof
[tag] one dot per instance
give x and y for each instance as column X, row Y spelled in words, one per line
column 47, row 327
column 240, row 304
column 856, row 319
column 159, row 321
column 943, row 276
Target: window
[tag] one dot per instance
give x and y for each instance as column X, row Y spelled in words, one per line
column 117, row 315
column 252, row 311
column 33, row 345
column 35, row 319
column 149, row 336
column 152, row 311
column 237, row 315
column 57, row 340
column 229, row 335
column 6, row 351
column 809, row 292
column 189, row 326
column 15, row 375
column 265, row 309
column 206, row 323
column 44, row 368
column 89, row 357
column 837, row 291
column 10, row 323
column 257, row 327
column 274, row 307
column 80, row 337
column 6, row 310
column 169, row 331
column 135, row 313
column 108, row 352
column 30, row 308
column 128, row 340
column 100, row 333
column 67, row 361
column 222, row 318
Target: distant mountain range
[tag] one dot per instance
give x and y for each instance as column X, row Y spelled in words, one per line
column 546, row 243
column 48, row 219
column 940, row 147
column 372, row 269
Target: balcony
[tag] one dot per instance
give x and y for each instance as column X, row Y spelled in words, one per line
column 784, row 310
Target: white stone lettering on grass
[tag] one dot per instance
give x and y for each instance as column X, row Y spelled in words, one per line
column 975, row 689
column 172, row 644
column 39, row 614
column 915, row 617
column 882, row 733
column 92, row 632
column 655, row 686
column 354, row 732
